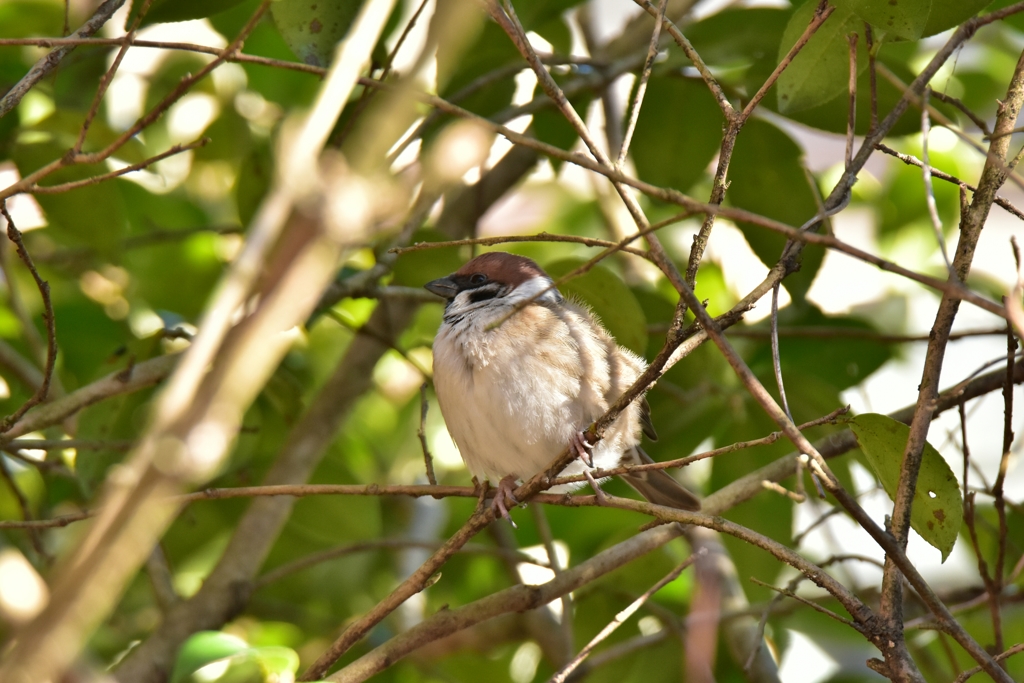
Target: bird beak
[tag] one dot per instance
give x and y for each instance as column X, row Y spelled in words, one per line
column 443, row 287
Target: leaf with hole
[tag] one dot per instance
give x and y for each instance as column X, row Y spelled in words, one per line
column 937, row 510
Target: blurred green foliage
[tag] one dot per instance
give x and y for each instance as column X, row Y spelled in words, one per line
column 130, row 257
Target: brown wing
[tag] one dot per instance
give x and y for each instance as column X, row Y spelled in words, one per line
column 659, row 488
column 645, row 420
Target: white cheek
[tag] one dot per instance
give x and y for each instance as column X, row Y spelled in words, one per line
column 539, row 288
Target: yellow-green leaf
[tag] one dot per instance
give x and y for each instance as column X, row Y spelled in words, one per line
column 938, row 509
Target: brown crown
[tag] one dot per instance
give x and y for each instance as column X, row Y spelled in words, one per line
column 502, row 267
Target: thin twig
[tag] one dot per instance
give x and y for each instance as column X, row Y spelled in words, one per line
column 48, row 63
column 53, row 467
column 158, row 236
column 929, row 191
column 294, row 566
column 539, row 237
column 62, row 444
column 949, row 99
column 367, row 95
column 851, row 114
column 691, row 54
column 41, row 393
column 94, row 180
column 184, row 86
column 26, row 509
column 641, row 88
column 776, row 360
column 821, row 13
column 540, row 520
column 1019, row 647
column 770, row 607
column 831, row 418
column 108, row 75
column 994, row 174
column 856, row 333
column 144, row 374
column 941, row 175
column 675, row 197
column 619, row 619
column 997, row 488
column 809, row 603
column 46, row 523
column 1014, row 307
column 30, row 373
column 428, row 461
column 166, row 45
column 916, row 99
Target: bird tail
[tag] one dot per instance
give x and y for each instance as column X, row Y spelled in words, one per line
column 660, row 488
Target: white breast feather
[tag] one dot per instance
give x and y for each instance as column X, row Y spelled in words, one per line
column 512, row 397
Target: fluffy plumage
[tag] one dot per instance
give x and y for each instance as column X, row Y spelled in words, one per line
column 515, row 394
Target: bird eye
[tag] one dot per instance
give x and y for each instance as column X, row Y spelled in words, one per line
column 478, row 279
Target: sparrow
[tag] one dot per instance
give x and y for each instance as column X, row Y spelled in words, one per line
column 520, row 371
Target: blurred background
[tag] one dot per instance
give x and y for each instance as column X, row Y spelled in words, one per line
column 134, row 257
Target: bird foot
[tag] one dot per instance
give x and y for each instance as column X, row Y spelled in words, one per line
column 602, row 497
column 578, row 443
column 503, row 497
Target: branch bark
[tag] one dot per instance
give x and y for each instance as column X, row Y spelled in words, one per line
column 993, row 176
column 227, row 589
column 515, row 599
column 48, row 63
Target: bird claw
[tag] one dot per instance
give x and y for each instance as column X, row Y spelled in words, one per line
column 579, row 444
column 602, row 497
column 503, row 496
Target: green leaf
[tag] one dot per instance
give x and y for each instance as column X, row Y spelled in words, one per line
column 556, row 32
column 491, row 50
column 181, row 10
column 313, row 29
column 913, row 19
column 822, row 68
column 30, row 487
column 833, row 114
column 24, row 18
column 610, row 300
column 677, row 133
column 758, row 186
column 92, row 215
column 275, row 660
column 839, row 363
column 535, row 13
column 551, row 126
column 946, row 14
column 937, row 509
column 205, row 648
column 738, row 37
column 897, row 18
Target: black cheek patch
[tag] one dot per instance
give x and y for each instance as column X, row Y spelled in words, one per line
column 478, row 295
